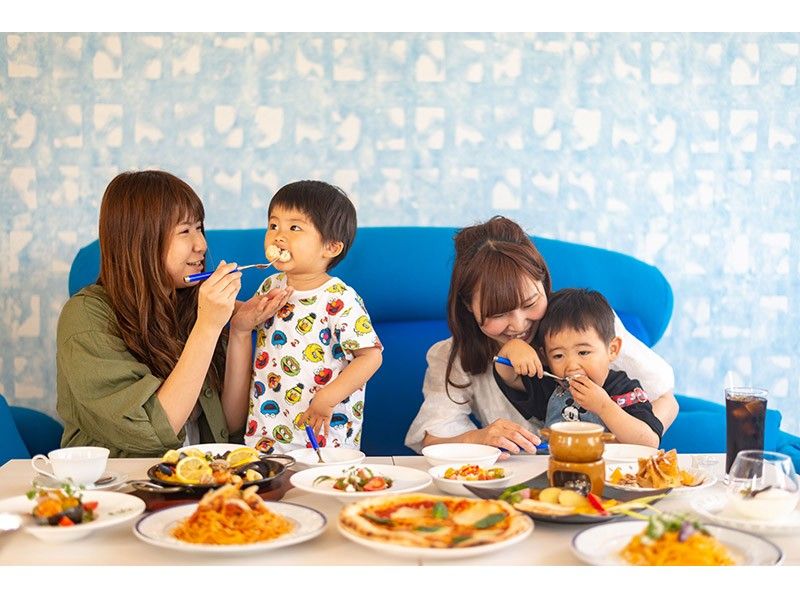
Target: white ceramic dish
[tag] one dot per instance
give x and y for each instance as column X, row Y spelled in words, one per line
column 601, row 544
column 113, row 508
column 307, row 457
column 404, row 479
column 482, row 455
column 456, row 487
column 437, row 553
column 715, row 507
column 154, row 529
column 116, row 479
column 627, row 453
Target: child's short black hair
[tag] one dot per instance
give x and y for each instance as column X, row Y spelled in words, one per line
column 577, row 309
column 330, row 210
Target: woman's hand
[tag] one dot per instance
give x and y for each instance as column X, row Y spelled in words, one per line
column 259, row 309
column 523, row 357
column 508, row 435
column 217, row 296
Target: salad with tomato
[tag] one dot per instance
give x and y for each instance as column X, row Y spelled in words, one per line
column 61, row 507
column 473, row 473
column 357, row 479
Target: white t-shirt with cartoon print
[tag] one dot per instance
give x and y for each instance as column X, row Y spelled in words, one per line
column 298, row 351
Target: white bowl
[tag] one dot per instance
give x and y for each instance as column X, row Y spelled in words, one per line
column 481, row 455
column 307, row 457
column 627, row 453
column 456, row 487
column 404, row 480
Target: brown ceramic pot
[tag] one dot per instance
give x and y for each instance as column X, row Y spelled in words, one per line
column 576, row 442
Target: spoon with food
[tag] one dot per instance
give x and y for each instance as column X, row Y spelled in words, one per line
column 273, row 253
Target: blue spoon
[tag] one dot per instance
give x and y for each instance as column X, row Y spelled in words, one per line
column 313, row 440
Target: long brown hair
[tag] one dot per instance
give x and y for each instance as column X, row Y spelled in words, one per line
column 492, row 259
column 138, row 214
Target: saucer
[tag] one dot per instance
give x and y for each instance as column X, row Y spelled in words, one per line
column 49, row 483
column 715, row 508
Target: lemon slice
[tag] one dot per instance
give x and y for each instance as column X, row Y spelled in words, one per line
column 171, row 456
column 193, row 470
column 194, row 452
column 242, row 455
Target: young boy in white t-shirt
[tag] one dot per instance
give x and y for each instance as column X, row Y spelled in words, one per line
column 314, row 356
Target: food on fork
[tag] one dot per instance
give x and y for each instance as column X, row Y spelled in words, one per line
column 230, row 515
column 61, row 507
column 276, row 254
column 671, row 539
column 659, row 471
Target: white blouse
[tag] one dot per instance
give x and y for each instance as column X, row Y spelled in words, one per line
column 440, row 416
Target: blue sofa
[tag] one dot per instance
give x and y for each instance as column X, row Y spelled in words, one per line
column 403, row 274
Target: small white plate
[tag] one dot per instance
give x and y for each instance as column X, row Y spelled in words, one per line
column 627, row 453
column 708, row 481
column 113, row 508
column 602, row 544
column 307, row 457
column 456, row 487
column 482, row 455
column 714, row 507
column 155, row 528
column 438, row 553
column 404, row 479
column 48, row 483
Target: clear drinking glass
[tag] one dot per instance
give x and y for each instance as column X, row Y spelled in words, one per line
column 763, row 485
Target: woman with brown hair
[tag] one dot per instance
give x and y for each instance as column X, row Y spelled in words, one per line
column 141, row 355
column 498, row 291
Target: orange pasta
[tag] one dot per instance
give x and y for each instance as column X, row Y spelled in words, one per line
column 697, row 549
column 230, row 516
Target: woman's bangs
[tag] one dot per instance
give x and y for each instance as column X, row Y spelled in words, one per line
column 501, row 284
column 187, row 208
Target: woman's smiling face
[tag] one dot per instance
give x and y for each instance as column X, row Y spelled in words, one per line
column 521, row 322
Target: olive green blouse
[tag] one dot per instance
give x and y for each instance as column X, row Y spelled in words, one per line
column 108, row 398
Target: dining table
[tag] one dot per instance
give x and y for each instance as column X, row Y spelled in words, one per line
column 548, row 544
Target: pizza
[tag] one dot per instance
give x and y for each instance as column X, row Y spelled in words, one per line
column 429, row 521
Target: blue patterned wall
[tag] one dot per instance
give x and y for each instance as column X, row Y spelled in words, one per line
column 679, row 149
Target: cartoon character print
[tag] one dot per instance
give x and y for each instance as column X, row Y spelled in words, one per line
column 358, row 409
column 278, row 338
column 338, row 419
column 270, row 408
column 357, row 439
column 262, row 359
column 350, row 345
column 259, row 388
column 322, row 441
column 571, row 411
column 305, row 324
column 261, row 338
column 290, row 365
column 265, row 286
column 274, row 381
column 336, row 287
column 252, row 426
column 363, row 326
column 266, row 445
column 349, row 432
column 325, row 336
column 282, row 434
column 286, row 313
column 309, row 300
column 334, row 306
column 313, row 353
column 299, row 421
column 322, row 376
column 337, row 351
column 294, row 394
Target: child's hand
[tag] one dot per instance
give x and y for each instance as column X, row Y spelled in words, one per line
column 318, row 414
column 589, row 395
column 523, row 357
column 258, row 309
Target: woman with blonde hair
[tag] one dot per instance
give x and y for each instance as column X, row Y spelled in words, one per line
column 141, row 354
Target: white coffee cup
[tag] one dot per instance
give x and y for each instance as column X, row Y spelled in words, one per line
column 81, row 464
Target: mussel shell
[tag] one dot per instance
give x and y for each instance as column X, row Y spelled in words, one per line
column 267, row 469
column 75, row 514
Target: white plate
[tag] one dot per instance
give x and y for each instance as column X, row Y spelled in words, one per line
column 601, row 544
column 456, row 487
column 627, row 453
column 438, row 553
column 461, row 452
column 117, row 479
column 714, row 507
column 307, row 457
column 708, row 481
column 155, row 527
column 404, row 479
column 113, row 508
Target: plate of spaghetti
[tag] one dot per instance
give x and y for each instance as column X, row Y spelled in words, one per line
column 230, row 520
column 669, row 539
